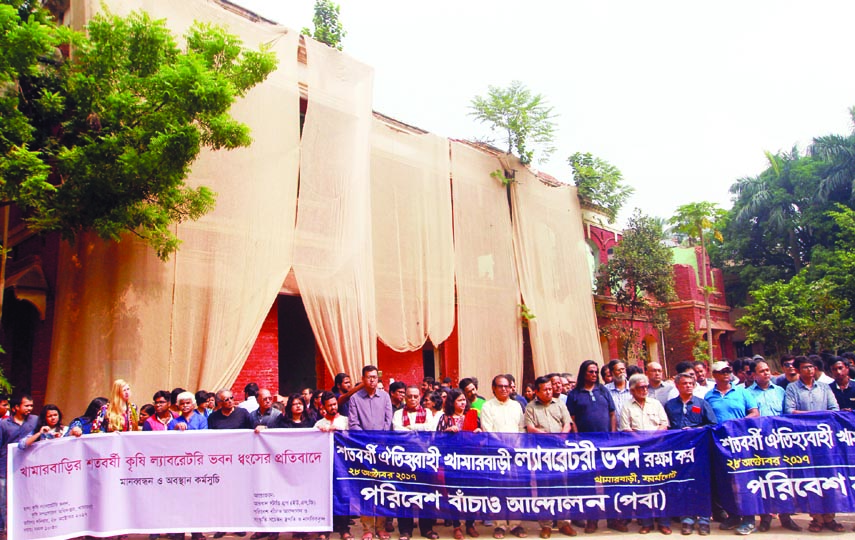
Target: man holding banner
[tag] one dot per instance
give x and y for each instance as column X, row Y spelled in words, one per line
column 731, row 403
column 546, row 414
column 805, row 395
column 503, row 415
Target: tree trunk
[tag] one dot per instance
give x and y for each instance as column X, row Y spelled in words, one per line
column 3, row 252
column 706, row 294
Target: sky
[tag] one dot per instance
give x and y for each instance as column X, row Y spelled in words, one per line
column 683, row 97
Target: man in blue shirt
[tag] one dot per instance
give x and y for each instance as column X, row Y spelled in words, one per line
column 731, row 403
column 12, row 429
column 805, row 395
column 770, row 401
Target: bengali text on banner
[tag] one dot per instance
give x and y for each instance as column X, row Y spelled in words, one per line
column 230, row 480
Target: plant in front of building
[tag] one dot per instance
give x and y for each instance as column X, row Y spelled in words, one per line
column 328, row 27
column 102, row 139
column 522, row 120
column 600, row 183
column 640, row 278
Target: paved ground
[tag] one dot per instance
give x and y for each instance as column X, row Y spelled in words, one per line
column 445, row 533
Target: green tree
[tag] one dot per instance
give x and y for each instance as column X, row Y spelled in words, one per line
column 839, row 152
column 773, row 318
column 698, row 222
column 328, row 27
column 640, row 278
column 523, row 119
column 798, row 315
column 104, row 141
column 600, row 183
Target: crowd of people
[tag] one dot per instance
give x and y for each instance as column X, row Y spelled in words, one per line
column 608, row 398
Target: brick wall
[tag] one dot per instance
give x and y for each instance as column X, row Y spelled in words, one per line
column 262, row 364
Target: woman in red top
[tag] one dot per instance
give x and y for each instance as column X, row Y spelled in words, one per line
column 458, row 416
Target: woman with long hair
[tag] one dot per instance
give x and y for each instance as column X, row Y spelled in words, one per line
column 48, row 427
column 119, row 414
column 82, row 425
column 458, row 416
column 529, row 391
column 295, row 415
column 314, row 409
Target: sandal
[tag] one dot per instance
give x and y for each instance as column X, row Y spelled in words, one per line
column 519, row 531
column 815, row 526
column 458, row 533
column 346, row 536
column 834, row 526
column 323, row 536
column 404, row 537
column 432, row 535
column 499, row 533
column 472, row 531
column 367, row 536
column 383, row 535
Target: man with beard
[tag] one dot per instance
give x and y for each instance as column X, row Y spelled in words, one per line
column 618, row 387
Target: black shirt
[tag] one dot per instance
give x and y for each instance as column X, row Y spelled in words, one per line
column 845, row 398
column 238, row 419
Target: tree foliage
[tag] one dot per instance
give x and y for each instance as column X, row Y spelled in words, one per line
column 328, row 27
column 600, row 183
column 522, row 119
column 798, row 315
column 639, row 276
column 104, row 141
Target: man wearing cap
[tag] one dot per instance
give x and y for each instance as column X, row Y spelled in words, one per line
column 729, row 403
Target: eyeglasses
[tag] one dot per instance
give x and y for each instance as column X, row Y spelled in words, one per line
column 727, row 371
column 503, row 386
column 788, row 364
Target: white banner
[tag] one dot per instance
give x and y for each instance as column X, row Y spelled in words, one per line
column 193, row 481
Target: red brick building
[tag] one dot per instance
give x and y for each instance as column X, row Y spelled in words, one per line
column 674, row 343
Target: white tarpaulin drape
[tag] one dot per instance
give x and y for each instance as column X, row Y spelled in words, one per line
column 412, row 237
column 552, row 259
column 190, row 322
column 332, row 243
column 488, row 296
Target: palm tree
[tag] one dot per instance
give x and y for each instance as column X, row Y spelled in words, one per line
column 697, row 221
column 839, row 151
column 770, row 198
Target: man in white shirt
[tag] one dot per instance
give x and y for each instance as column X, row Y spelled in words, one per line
column 412, row 416
column 503, row 415
column 332, row 421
